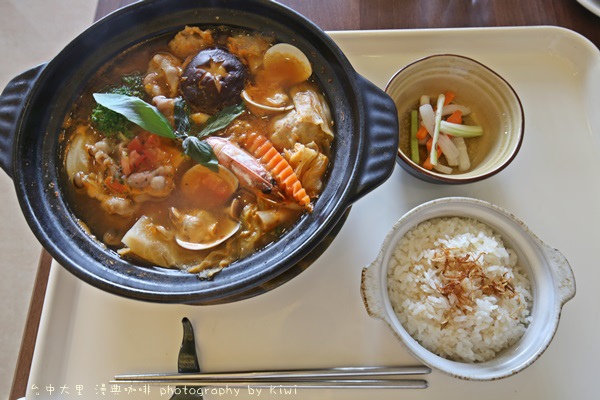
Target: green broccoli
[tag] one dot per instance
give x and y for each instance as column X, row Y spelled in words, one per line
column 111, row 123
column 134, row 83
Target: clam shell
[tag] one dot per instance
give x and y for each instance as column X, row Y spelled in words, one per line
column 205, row 246
column 249, row 100
column 288, row 51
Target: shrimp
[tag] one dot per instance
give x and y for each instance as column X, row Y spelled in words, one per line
column 283, row 173
column 249, row 170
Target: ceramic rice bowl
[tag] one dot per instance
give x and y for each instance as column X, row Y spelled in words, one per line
column 550, row 276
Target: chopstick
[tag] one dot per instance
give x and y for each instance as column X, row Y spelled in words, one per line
column 343, row 377
column 340, row 372
column 300, row 384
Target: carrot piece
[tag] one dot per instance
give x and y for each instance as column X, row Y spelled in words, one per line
column 422, row 132
column 427, row 164
column 429, row 144
column 115, row 185
column 281, row 170
column 455, row 117
column 449, row 96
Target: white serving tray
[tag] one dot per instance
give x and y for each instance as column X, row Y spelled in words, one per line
column 592, row 5
column 87, row 336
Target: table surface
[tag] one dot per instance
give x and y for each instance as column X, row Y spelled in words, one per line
column 359, row 15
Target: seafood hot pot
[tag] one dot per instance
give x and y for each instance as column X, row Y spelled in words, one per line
column 34, row 104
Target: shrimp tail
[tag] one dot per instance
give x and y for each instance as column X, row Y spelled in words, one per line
column 280, row 169
column 248, row 170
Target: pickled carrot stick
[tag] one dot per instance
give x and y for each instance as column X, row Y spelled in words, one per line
column 455, row 117
column 427, row 164
column 422, row 132
column 449, row 96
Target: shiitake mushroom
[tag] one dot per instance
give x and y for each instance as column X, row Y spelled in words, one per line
column 213, row 79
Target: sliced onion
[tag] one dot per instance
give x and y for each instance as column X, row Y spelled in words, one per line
column 442, row 168
column 464, row 163
column 428, row 117
column 449, row 150
column 450, row 108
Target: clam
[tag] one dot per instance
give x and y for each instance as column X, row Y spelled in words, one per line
column 246, row 97
column 202, row 229
column 204, row 187
column 284, row 64
column 205, row 246
column 289, row 58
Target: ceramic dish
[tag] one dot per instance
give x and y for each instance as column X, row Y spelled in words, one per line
column 551, row 278
column 494, row 104
column 362, row 156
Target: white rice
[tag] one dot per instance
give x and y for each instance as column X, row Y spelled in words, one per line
column 477, row 331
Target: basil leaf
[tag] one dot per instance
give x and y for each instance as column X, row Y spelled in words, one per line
column 181, row 117
column 201, row 152
column 137, row 111
column 221, row 119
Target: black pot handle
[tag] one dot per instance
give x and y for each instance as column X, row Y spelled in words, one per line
column 381, row 138
column 12, row 102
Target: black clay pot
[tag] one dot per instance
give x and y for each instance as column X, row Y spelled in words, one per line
column 33, row 105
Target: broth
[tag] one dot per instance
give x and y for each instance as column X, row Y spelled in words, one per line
column 174, row 201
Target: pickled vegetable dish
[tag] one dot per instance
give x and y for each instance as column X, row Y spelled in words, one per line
column 195, row 150
column 442, row 134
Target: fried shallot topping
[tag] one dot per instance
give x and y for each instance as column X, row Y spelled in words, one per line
column 464, row 280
